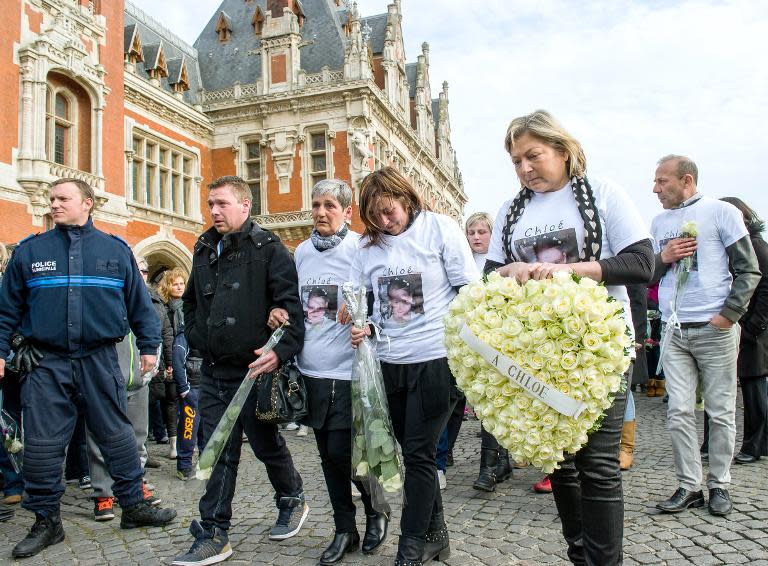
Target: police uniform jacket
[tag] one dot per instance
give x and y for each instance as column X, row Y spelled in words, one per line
column 73, row 290
column 231, row 292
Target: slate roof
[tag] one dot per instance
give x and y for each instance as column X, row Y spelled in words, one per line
column 378, row 24
column 174, row 70
column 223, row 64
column 152, row 33
column 410, row 74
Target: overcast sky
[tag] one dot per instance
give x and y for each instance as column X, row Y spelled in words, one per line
column 632, row 80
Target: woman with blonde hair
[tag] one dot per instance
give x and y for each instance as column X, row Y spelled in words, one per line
column 404, row 245
column 163, row 388
column 598, row 231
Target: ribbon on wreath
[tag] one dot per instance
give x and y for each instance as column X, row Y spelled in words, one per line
column 536, row 388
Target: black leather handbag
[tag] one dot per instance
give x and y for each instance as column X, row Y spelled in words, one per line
column 281, row 396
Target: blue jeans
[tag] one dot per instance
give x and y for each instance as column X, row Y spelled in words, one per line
column 588, row 493
column 189, row 422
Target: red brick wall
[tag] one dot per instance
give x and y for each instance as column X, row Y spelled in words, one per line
column 278, row 63
column 285, row 202
column 9, row 78
column 111, row 56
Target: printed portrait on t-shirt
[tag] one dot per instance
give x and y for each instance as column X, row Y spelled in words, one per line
column 320, row 304
column 694, row 258
column 401, row 301
column 553, row 247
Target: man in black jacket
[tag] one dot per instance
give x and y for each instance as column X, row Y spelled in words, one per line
column 240, row 272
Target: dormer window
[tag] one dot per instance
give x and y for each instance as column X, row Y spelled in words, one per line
column 132, row 50
column 178, row 79
column 154, row 61
column 258, row 21
column 224, row 27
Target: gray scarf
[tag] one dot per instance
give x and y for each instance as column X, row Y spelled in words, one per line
column 323, row 243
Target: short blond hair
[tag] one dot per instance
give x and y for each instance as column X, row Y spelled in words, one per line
column 541, row 124
column 476, row 218
column 239, row 187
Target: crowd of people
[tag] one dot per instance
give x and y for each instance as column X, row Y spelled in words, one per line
column 121, row 359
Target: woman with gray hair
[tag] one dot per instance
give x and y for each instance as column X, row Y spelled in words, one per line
column 599, row 234
column 323, row 263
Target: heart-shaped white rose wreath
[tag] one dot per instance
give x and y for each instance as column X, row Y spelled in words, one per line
column 539, row 362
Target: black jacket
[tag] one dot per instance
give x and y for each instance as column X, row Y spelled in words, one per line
column 166, row 332
column 753, row 350
column 229, row 297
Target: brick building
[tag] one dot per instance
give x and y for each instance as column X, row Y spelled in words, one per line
column 280, row 92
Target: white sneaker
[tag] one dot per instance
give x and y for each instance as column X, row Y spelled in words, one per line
column 302, row 431
column 291, row 426
column 441, row 479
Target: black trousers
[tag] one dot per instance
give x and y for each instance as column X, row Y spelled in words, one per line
column 164, row 391
column 754, row 391
column 588, row 493
column 421, row 397
column 335, row 447
column 487, row 440
column 265, row 441
column 455, row 420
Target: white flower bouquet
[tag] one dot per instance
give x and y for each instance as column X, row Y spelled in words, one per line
column 539, row 362
column 11, row 437
column 375, row 453
column 215, row 445
column 682, row 272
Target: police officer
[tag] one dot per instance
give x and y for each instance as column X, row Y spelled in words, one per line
column 72, row 293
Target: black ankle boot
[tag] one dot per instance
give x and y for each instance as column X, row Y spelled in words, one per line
column 409, row 551
column 45, row 532
column 437, row 545
column 503, row 467
column 486, row 481
column 341, row 544
column 375, row 531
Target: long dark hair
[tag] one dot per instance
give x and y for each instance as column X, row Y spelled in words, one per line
column 753, row 222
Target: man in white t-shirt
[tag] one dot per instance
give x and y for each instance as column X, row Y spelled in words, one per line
column 702, row 346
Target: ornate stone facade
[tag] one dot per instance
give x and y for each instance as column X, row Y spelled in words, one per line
column 279, row 92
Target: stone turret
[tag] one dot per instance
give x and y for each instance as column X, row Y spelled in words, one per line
column 357, row 62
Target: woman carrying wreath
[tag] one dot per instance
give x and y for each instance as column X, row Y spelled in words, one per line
column 323, row 262
column 408, row 254
column 599, row 234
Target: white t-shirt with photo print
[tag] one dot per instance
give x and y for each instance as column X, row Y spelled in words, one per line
column 551, row 230
column 412, row 276
column 720, row 225
column 327, row 352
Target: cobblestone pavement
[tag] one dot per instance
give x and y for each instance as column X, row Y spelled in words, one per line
column 513, row 526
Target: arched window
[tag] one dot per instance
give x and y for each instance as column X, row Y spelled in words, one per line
column 60, row 128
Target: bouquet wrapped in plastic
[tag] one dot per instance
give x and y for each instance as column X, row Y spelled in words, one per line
column 215, row 445
column 11, row 437
column 375, row 454
column 682, row 272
